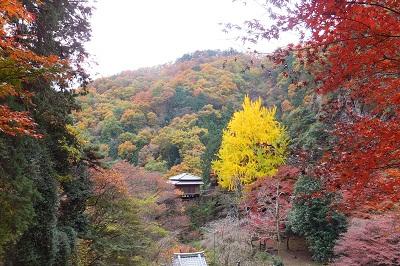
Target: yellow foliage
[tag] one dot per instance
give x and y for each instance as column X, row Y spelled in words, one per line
column 125, row 149
column 127, row 115
column 307, row 99
column 185, row 135
column 253, row 145
column 152, row 119
column 104, row 148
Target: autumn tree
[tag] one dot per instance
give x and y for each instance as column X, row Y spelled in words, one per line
column 354, row 49
column 268, row 202
column 116, row 233
column 253, row 146
column 20, row 63
column 180, row 144
column 126, row 149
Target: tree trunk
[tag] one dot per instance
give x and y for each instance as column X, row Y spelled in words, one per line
column 287, row 243
column 278, row 235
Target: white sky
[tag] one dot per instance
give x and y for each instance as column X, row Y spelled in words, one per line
column 129, row 34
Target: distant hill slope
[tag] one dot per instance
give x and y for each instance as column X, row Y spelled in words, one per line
column 170, row 118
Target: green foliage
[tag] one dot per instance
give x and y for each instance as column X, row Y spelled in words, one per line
column 268, row 259
column 156, row 166
column 214, row 121
column 204, row 211
column 110, row 129
column 184, row 101
column 119, row 238
column 313, row 218
column 17, row 192
column 170, row 154
column 276, row 261
column 306, row 131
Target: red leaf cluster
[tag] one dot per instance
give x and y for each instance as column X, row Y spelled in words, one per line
column 365, row 164
column 268, row 201
column 16, row 123
column 353, row 46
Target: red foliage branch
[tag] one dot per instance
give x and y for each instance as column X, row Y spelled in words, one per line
column 268, row 202
column 108, row 181
column 354, row 46
column 365, row 164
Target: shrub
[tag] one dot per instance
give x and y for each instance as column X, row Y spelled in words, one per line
column 370, row 242
column 312, row 217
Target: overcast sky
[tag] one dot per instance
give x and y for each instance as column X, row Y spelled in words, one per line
column 129, row 34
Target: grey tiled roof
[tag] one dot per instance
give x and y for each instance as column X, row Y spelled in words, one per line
column 189, row 259
column 186, row 179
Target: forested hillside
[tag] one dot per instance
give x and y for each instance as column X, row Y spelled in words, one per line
column 170, row 118
column 273, row 183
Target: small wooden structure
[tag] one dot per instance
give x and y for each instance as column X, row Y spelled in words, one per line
column 188, row 184
column 189, row 259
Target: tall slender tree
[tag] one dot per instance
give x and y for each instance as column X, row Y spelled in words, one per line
column 47, row 176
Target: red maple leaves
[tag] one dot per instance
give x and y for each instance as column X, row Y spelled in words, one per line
column 370, row 242
column 269, row 201
column 365, row 163
column 353, row 46
column 363, row 45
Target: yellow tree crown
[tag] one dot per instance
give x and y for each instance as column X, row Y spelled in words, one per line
column 253, row 145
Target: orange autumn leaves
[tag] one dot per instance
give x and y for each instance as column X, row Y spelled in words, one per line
column 108, row 181
column 18, row 67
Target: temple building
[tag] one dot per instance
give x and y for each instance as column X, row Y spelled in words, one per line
column 188, row 184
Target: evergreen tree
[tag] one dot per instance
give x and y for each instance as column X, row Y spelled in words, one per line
column 46, row 176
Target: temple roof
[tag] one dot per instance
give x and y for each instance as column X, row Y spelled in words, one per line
column 186, row 179
column 189, row 259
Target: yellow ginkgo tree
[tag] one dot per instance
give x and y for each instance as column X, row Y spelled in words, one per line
column 253, row 146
